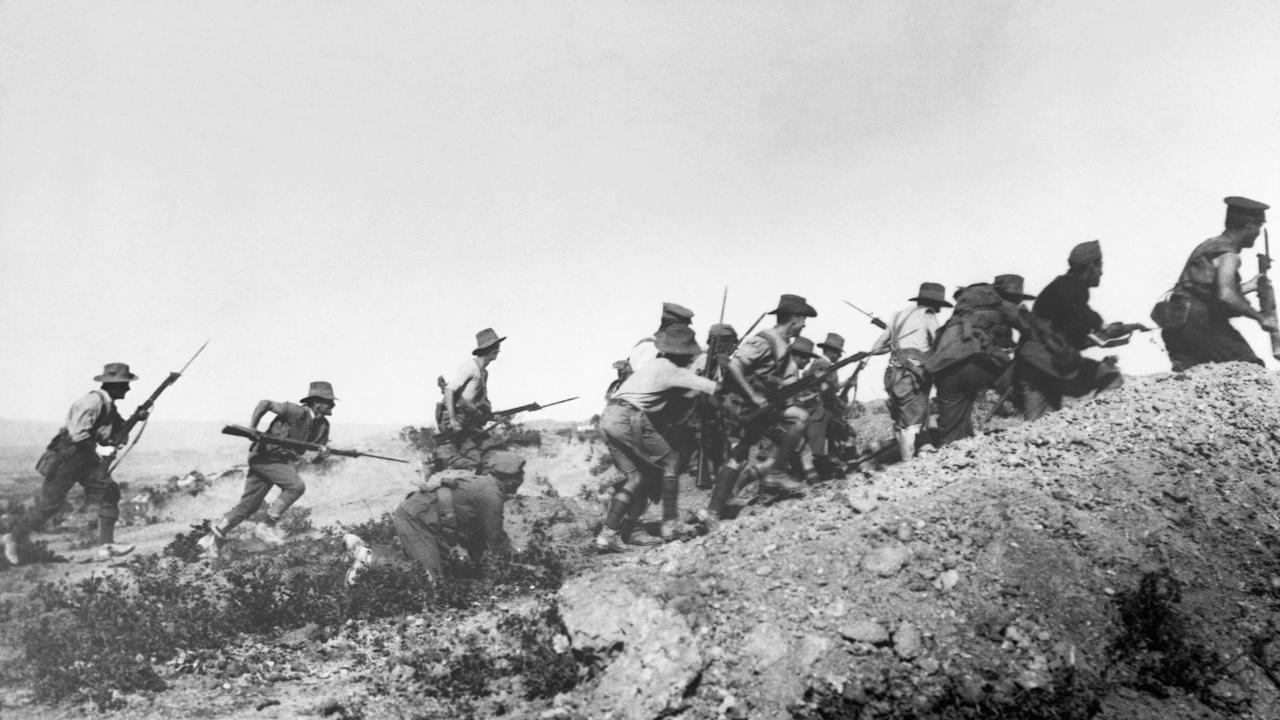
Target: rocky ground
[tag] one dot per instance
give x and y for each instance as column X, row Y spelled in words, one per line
column 1115, row 560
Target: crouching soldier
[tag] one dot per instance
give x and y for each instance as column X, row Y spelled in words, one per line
column 639, row 423
column 272, row 465
column 81, row 454
column 457, row 515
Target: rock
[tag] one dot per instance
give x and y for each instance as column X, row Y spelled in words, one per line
column 866, row 631
column 947, row 580
column 905, row 532
column 885, row 561
column 765, row 645
column 861, row 503
column 907, row 642
column 659, row 655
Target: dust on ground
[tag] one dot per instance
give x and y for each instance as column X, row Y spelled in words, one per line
column 1013, row 574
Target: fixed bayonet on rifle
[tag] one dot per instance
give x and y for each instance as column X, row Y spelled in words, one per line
column 258, row 437
column 874, row 319
column 121, row 436
column 786, row 392
column 498, row 418
column 1267, row 294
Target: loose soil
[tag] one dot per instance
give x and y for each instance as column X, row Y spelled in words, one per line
column 1117, row 559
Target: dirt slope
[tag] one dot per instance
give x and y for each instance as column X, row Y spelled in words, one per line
column 994, row 572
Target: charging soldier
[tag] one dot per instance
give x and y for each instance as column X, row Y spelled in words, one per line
column 760, row 365
column 272, row 465
column 81, row 453
column 908, row 340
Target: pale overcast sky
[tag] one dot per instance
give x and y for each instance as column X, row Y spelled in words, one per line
column 350, row 190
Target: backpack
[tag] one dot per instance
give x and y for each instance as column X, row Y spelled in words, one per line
column 968, row 332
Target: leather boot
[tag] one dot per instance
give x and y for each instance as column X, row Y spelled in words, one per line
column 723, row 488
column 781, row 483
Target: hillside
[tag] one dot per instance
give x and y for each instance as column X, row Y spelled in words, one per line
column 1115, row 560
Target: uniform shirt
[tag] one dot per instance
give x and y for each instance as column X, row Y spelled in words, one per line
column 477, row 507
column 1064, row 302
column 293, row 422
column 470, row 383
column 92, row 416
column 658, row 381
column 911, row 328
column 642, row 352
column 818, row 366
column 766, row 353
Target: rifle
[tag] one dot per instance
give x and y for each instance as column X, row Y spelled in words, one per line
column 874, row 319
column 1267, row 294
column 258, row 437
column 786, row 392
column 121, row 436
column 498, row 417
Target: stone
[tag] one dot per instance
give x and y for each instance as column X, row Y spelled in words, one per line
column 907, row 641
column 947, row 580
column 885, row 561
column 765, row 645
column 861, row 503
column 658, row 655
column 865, row 631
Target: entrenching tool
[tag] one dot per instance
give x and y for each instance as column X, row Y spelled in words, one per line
column 258, row 437
column 122, row 435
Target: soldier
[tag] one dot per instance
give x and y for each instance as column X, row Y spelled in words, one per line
column 908, row 340
column 274, row 465
column 638, row 425
column 1046, row 375
column 712, row 425
column 761, row 364
column 453, row 514
column 623, row 369
column 466, row 396
column 1213, row 294
column 974, row 349
column 645, row 350
column 81, row 454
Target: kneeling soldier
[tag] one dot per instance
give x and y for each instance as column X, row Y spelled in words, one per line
column 639, row 423
column 455, row 515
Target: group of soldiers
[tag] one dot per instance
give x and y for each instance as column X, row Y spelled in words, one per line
column 677, row 406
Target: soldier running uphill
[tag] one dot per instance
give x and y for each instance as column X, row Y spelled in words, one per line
column 81, row 453
column 638, row 432
column 450, row 514
column 1048, row 371
column 974, row 349
column 274, row 465
column 908, row 339
column 760, row 365
column 1209, row 293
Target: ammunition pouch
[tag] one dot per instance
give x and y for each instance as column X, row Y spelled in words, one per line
column 1171, row 313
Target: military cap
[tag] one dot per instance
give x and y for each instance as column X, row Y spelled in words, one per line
column 1010, row 287
column 677, row 340
column 676, row 313
column 793, row 305
column 932, row 292
column 115, row 373
column 1085, row 253
column 1246, row 208
column 722, row 330
column 506, row 463
column 833, row 342
column 320, row 390
column 803, row 346
column 485, row 340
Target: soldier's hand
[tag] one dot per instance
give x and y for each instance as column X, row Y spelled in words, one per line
column 105, row 451
column 759, row 400
column 456, row 424
column 1266, row 325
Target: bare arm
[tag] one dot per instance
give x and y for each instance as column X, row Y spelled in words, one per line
column 264, row 406
column 1229, row 291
